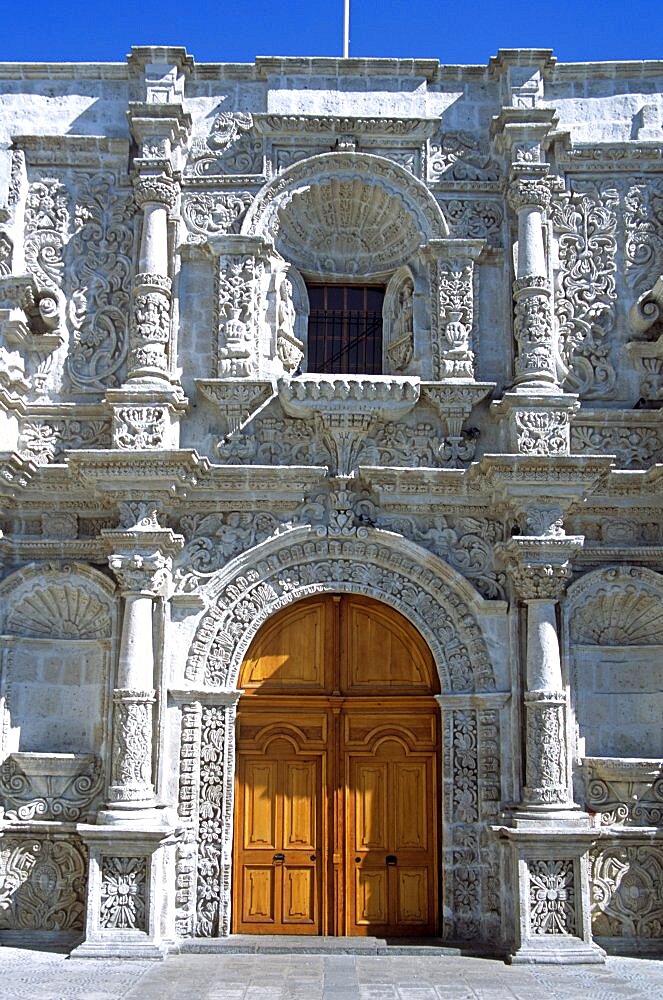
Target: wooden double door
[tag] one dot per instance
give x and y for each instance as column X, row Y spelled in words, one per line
column 336, row 803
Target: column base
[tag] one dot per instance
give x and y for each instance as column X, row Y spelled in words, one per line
column 127, row 949
column 543, row 819
column 557, row 951
column 131, row 816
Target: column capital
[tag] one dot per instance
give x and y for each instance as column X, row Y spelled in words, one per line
column 156, row 189
column 141, row 573
column 529, row 192
column 540, row 566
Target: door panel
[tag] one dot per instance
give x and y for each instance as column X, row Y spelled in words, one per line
column 337, row 773
column 260, row 780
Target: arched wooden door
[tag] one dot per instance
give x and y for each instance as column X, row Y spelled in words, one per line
column 336, row 801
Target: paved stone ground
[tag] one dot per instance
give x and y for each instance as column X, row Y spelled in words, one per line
column 33, row 975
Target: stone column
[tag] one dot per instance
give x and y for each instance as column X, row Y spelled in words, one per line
column 540, row 568
column 141, row 559
column 536, row 366
column 141, row 576
column 149, row 331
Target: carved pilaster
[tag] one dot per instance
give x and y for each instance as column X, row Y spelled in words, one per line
column 239, row 310
column 452, row 313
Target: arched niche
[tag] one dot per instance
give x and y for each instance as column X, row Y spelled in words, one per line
column 437, row 601
column 398, row 323
column 614, row 637
column 56, row 625
column 345, row 215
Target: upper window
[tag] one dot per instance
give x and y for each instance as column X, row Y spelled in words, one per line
column 345, row 329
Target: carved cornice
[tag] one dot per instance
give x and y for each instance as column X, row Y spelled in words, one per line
column 331, row 126
column 517, row 481
column 132, row 475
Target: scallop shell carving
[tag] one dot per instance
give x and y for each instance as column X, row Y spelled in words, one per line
column 346, row 227
column 59, row 611
column 622, row 617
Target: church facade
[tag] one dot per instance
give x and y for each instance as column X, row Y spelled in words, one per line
column 330, row 477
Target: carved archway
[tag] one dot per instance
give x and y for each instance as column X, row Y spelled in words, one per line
column 442, row 606
column 346, row 215
column 427, row 591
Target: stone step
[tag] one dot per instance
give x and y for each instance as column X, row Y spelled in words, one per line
column 276, row 944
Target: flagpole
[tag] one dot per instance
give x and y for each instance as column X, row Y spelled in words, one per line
column 346, row 31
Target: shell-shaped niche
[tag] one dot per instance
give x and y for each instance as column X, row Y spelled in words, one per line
column 345, row 227
column 621, row 617
column 59, row 611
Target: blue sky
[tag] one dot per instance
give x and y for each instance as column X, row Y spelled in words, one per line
column 453, row 31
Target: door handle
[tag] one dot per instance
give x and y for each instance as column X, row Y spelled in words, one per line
column 391, row 859
column 278, row 858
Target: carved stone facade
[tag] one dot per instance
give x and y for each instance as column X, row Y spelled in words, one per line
column 173, row 473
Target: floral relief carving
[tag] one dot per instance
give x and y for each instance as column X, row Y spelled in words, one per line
column 42, row 884
column 465, row 768
column 585, row 224
column 459, row 156
column 477, row 219
column 471, row 796
column 465, row 543
column 46, row 441
column 123, row 904
column 212, row 540
column 643, row 226
column 6, row 253
column 552, row 897
column 634, row 447
column 452, row 320
column 188, row 801
column 229, row 148
column 98, row 277
column 132, row 745
column 546, row 749
column 627, row 891
column 46, row 230
column 215, row 822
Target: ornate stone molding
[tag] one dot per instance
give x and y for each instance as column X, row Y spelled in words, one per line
column 59, row 787
column 624, row 792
